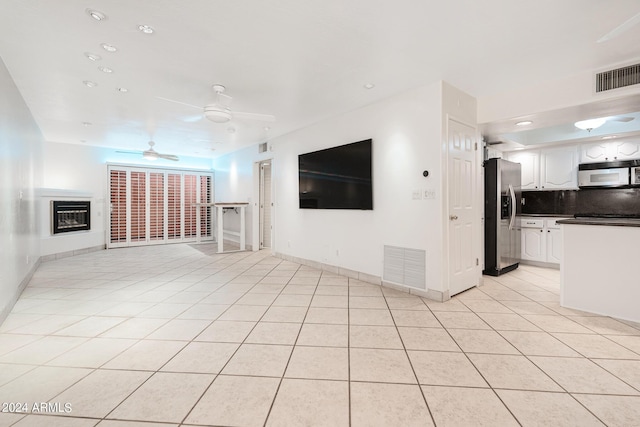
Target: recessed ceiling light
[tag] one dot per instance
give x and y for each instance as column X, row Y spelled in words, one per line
column 369, row 86
column 98, row 16
column 105, row 70
column 109, row 47
column 89, row 83
column 524, row 123
column 122, row 89
column 85, row 124
column 146, row 29
column 267, row 128
column 92, row 56
column 609, row 136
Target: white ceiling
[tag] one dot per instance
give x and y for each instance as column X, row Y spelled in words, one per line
column 299, row 60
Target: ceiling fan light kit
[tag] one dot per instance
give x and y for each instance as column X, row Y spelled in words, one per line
column 217, row 114
column 590, row 124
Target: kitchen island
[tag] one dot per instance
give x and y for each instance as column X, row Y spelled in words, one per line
column 599, row 270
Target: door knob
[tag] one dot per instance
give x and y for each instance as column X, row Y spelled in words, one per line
column 453, row 217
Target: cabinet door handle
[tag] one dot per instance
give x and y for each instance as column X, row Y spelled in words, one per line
column 453, row 217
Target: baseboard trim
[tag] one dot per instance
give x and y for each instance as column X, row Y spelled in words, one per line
column 67, row 254
column 23, row 284
column 368, row 278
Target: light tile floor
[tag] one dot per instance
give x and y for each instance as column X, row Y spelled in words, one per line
column 178, row 335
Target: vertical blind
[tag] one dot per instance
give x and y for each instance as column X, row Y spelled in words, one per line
column 156, row 206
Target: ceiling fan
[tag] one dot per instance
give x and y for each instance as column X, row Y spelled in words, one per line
column 220, row 111
column 622, row 28
column 152, row 154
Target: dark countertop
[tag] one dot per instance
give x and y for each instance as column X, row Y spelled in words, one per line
column 546, row 215
column 620, row 222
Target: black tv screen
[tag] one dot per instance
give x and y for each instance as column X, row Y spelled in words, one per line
column 336, row 178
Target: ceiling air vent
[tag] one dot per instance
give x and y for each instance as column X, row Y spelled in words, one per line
column 262, row 148
column 620, row 77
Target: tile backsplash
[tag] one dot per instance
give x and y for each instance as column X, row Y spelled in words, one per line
column 617, row 201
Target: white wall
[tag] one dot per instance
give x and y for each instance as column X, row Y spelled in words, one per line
column 20, row 173
column 79, row 172
column 407, row 132
column 236, row 181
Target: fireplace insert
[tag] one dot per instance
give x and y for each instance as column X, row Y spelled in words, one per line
column 67, row 216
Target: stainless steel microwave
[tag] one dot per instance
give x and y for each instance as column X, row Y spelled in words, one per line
column 635, row 175
column 607, row 177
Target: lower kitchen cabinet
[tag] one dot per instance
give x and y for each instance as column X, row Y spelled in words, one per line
column 541, row 240
column 533, row 240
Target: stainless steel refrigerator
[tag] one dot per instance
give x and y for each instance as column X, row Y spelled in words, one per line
column 502, row 204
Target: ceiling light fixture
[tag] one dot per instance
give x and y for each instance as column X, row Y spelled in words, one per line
column 146, row 29
column 590, row 124
column 217, row 114
column 122, row 89
column 105, row 70
column 150, row 155
column 109, row 47
column 98, row 16
column 89, row 83
column 85, row 124
column 609, row 136
column 369, row 86
column 92, row 56
column 524, row 123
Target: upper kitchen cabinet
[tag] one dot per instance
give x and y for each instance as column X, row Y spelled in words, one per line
column 530, row 161
column 559, row 168
column 609, row 151
column 548, row 169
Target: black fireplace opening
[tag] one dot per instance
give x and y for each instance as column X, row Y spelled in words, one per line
column 70, row 215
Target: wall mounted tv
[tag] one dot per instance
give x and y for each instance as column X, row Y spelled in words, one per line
column 336, row 178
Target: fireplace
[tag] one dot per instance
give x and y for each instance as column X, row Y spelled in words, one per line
column 68, row 216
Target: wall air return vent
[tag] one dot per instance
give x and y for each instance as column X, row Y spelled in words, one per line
column 620, row 77
column 404, row 266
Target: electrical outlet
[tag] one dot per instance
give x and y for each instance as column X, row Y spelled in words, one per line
column 417, row 195
column 429, row 193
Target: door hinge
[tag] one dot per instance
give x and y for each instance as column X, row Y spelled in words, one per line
column 477, row 261
column 475, row 146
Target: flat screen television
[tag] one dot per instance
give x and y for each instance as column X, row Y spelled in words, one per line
column 336, row 178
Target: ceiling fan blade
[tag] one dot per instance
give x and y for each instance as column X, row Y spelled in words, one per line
column 254, row 116
column 128, row 152
column 620, row 119
column 224, row 99
column 169, row 157
column 178, row 102
column 625, row 26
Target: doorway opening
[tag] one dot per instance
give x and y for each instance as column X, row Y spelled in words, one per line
column 266, row 206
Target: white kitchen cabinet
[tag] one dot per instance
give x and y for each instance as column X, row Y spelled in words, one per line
column 548, row 169
column 533, row 240
column 541, row 240
column 530, row 161
column 609, row 151
column 554, row 241
column 559, row 168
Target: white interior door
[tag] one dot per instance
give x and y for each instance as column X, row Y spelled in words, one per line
column 265, row 204
column 463, row 259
